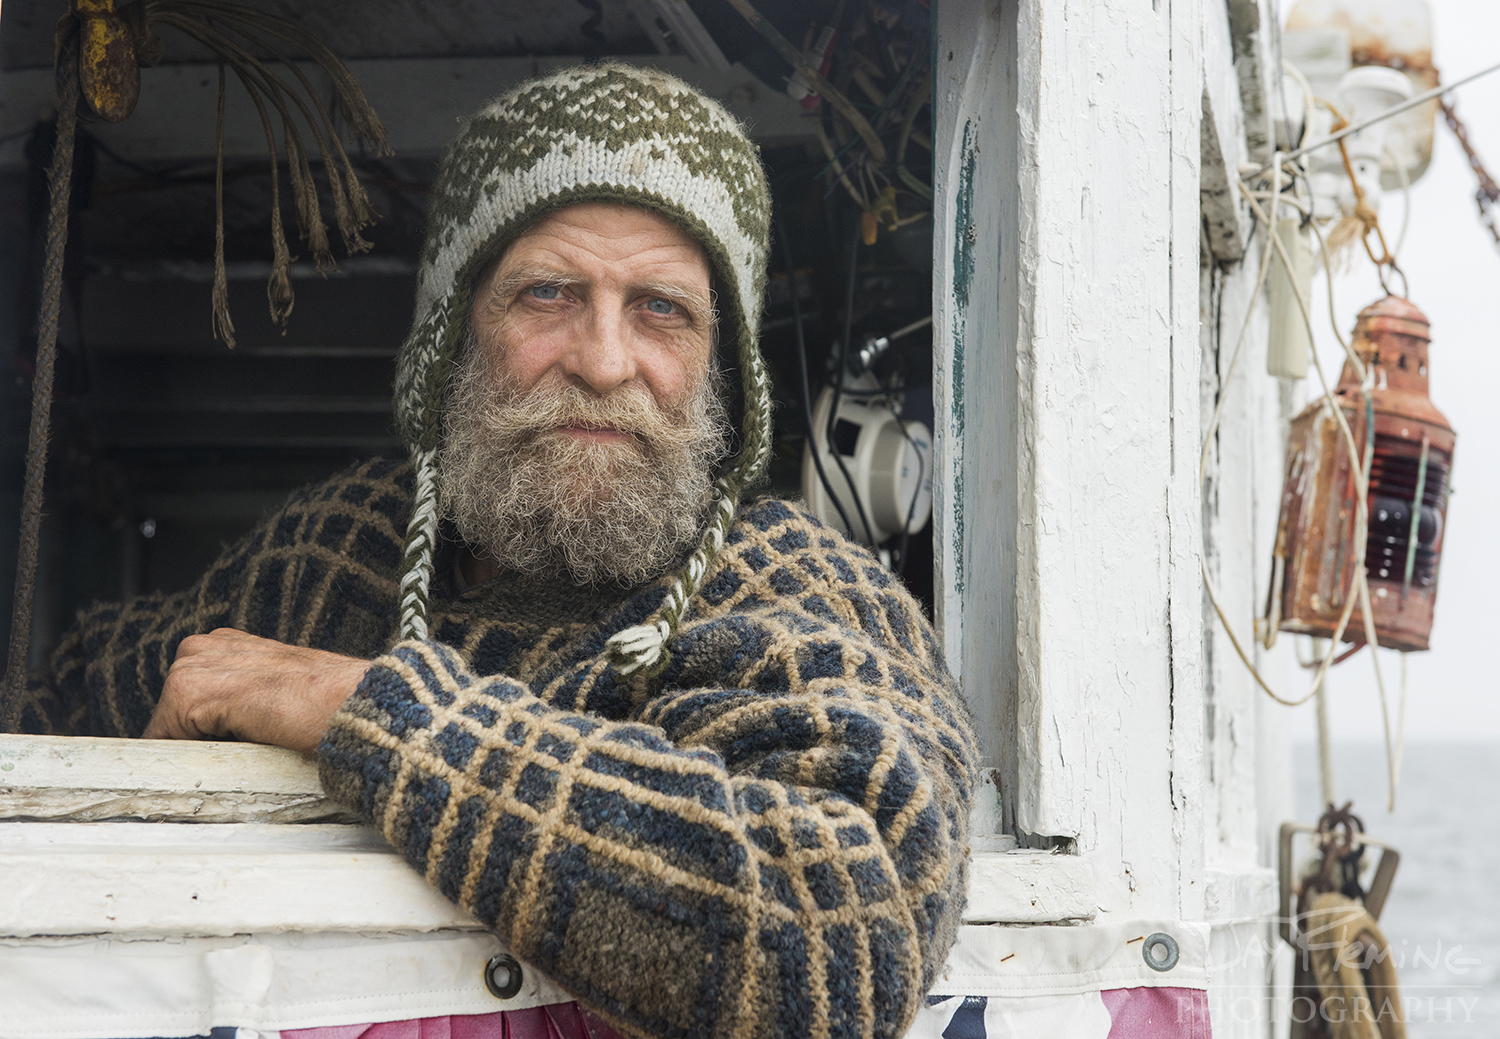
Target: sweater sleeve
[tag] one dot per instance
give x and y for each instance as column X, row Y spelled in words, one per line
column 342, row 535
column 773, row 843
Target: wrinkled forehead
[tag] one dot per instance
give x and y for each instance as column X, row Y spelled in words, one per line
column 617, row 239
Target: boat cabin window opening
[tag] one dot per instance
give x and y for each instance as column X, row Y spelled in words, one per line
column 168, row 445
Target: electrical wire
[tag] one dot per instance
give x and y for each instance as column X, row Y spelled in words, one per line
column 795, row 58
column 1361, row 514
column 1306, row 210
column 1281, row 64
column 1307, row 99
column 791, row 283
column 1361, row 466
column 1360, row 584
column 1411, row 102
column 1394, row 747
column 838, row 388
column 840, row 172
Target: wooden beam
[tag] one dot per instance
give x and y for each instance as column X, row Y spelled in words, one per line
column 189, row 879
column 1107, row 606
column 1030, row 887
column 82, row 779
column 975, row 299
column 422, row 102
column 1222, row 143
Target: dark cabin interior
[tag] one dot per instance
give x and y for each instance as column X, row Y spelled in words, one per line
column 167, row 444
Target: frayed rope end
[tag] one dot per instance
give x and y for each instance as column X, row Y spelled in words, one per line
column 642, row 646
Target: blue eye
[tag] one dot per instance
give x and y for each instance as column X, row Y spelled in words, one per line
column 661, row 306
column 544, row 291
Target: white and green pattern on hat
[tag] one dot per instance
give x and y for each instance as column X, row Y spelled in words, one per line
column 594, row 133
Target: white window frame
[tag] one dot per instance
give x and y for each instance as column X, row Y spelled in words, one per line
column 1058, row 361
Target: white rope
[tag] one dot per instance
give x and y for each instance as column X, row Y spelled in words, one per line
column 1325, row 748
column 1385, row 714
column 1394, row 748
column 1400, row 727
column 1361, row 514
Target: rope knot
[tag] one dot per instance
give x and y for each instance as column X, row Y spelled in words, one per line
column 641, row 646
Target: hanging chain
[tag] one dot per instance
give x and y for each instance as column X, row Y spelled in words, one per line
column 1488, row 194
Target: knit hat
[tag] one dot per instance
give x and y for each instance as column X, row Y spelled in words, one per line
column 594, row 133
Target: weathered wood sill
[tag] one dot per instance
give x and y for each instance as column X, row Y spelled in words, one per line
column 106, row 837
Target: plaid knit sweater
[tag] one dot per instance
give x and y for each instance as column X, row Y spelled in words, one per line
column 767, row 839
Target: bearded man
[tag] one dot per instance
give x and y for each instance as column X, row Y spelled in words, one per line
column 694, row 757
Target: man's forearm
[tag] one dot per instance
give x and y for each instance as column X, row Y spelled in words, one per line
column 637, row 870
column 231, row 685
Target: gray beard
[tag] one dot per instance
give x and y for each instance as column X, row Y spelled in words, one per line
column 543, row 502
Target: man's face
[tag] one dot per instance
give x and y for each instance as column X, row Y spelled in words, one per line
column 599, row 297
column 583, row 422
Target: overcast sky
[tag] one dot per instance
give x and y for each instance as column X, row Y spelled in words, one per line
column 1454, row 268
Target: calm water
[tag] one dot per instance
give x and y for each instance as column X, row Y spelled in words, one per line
column 1443, row 916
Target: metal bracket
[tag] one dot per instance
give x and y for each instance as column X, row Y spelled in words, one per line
column 1380, row 884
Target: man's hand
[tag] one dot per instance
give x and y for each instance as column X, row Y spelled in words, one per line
column 229, row 684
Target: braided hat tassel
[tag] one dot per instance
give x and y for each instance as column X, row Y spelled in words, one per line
column 421, row 545
column 644, row 646
column 424, row 404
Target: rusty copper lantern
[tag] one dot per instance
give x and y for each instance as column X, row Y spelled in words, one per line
column 1410, row 457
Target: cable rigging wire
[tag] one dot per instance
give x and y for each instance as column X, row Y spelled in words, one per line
column 1355, row 128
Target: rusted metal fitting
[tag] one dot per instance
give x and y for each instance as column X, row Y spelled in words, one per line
column 109, row 76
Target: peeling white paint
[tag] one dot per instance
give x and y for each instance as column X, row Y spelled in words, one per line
column 1096, row 682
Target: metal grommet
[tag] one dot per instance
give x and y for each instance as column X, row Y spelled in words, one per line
column 1160, row 952
column 502, row 976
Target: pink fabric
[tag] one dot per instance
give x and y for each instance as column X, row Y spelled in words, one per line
column 1135, row 1013
column 554, row 1021
column 1157, row 1013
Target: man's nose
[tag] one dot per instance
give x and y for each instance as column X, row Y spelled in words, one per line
column 601, row 356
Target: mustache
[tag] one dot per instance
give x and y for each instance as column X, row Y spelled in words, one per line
column 521, row 417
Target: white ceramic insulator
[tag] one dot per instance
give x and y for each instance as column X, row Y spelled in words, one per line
column 1289, row 347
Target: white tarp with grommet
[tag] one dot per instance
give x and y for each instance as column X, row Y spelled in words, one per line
column 1138, row 979
column 1091, row 981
